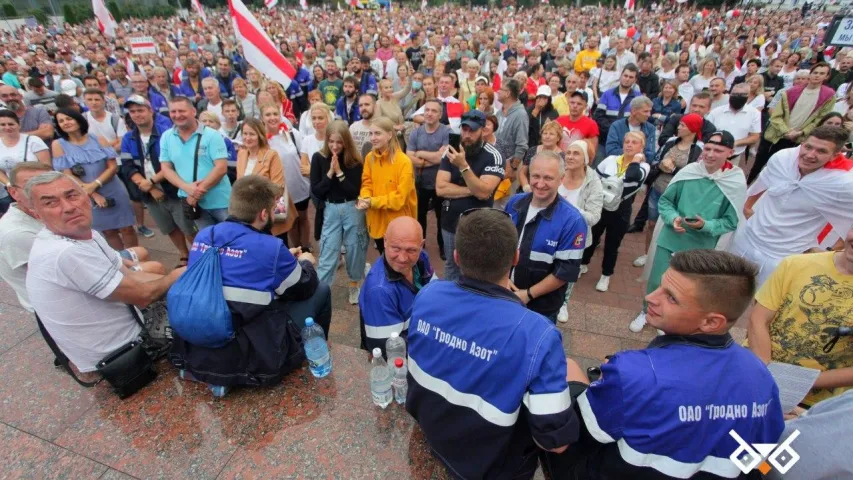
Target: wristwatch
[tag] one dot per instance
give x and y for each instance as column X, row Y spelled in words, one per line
column 100, row 184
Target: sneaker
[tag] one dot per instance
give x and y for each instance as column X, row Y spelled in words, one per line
column 353, row 295
column 145, row 231
column 640, row 261
column 563, row 316
column 603, row 283
column 584, row 269
column 638, row 323
column 636, row 227
column 218, row 391
column 366, row 269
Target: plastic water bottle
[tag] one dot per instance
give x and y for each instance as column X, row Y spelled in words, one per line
column 380, row 380
column 395, row 347
column 400, row 384
column 316, row 349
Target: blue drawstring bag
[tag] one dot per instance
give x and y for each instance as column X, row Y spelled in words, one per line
column 198, row 312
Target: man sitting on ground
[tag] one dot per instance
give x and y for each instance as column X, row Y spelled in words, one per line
column 391, row 285
column 77, row 284
column 667, row 411
column 269, row 293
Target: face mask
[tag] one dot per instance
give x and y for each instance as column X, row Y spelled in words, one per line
column 417, row 85
column 736, row 102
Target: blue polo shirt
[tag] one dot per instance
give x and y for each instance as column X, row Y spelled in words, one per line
column 181, row 155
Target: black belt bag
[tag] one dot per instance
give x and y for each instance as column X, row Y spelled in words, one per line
column 193, row 212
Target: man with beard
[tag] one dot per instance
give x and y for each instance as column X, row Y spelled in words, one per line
column 346, row 107
column 33, row 120
column 225, row 75
column 366, row 80
column 360, row 130
column 615, row 103
column 191, row 86
column 466, row 179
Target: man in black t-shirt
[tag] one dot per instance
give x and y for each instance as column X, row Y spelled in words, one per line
column 466, row 179
column 414, row 53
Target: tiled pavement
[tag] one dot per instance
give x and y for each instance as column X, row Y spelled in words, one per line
column 52, row 428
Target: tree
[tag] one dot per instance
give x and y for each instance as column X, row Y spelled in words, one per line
column 113, row 8
column 9, row 11
column 40, row 15
column 68, row 13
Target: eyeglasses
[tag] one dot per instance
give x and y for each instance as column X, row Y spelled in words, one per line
column 472, row 210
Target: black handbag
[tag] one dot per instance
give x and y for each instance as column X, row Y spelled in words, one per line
column 127, row 369
column 193, row 212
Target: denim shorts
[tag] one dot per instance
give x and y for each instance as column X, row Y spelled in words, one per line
column 654, row 197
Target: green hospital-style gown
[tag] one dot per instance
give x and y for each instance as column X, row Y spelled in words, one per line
column 688, row 198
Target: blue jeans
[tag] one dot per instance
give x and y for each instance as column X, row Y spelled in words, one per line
column 210, row 217
column 451, row 270
column 654, row 198
column 342, row 224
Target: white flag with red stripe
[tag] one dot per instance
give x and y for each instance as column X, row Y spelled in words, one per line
column 303, row 4
column 200, row 11
column 270, row 4
column 106, row 23
column 259, row 50
column 629, row 5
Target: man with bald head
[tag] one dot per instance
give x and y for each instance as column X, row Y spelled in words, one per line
column 389, row 289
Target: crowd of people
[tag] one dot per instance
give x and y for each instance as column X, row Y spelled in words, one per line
column 531, row 135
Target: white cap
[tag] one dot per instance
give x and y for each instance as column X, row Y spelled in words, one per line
column 394, row 334
column 543, row 91
column 68, row 87
column 377, row 352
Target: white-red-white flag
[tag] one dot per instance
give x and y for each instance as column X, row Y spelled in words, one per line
column 423, row 3
column 259, row 50
column 303, row 4
column 270, row 4
column 200, row 11
column 339, row 6
column 629, row 5
column 106, row 23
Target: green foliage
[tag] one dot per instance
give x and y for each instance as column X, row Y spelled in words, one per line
column 113, row 8
column 40, row 15
column 68, row 13
column 9, row 11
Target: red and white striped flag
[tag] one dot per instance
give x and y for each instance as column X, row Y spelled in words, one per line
column 259, row 50
column 270, row 4
column 106, row 23
column 629, row 5
column 303, row 4
column 200, row 11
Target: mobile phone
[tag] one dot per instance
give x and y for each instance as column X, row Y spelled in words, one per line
column 690, row 219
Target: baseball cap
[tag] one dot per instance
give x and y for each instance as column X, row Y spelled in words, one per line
column 726, row 139
column 482, row 79
column 136, row 100
column 474, row 119
column 579, row 93
column 543, row 91
column 68, row 87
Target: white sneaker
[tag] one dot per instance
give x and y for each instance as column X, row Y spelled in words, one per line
column 584, row 269
column 353, row 295
column 366, row 269
column 603, row 283
column 638, row 323
column 563, row 316
column 640, row 261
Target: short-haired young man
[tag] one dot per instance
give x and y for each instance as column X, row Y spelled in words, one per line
column 667, row 411
column 266, row 289
column 615, row 103
column 473, row 366
column 346, row 107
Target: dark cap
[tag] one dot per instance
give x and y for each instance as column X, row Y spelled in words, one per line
column 723, row 138
column 579, row 93
column 474, row 119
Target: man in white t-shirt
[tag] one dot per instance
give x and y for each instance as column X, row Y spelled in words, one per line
column 741, row 120
column 102, row 123
column 360, row 130
column 212, row 98
column 18, row 229
column 78, row 285
column 797, row 201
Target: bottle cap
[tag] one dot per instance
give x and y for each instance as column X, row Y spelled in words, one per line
column 394, row 334
column 309, row 321
column 398, row 362
column 377, row 352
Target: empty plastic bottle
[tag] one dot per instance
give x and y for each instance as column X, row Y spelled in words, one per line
column 380, row 380
column 395, row 347
column 316, row 349
column 400, row 384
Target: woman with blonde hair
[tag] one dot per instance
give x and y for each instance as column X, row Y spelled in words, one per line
column 254, row 81
column 287, row 142
column 756, row 92
column 245, row 98
column 707, row 72
column 581, row 187
column 280, row 98
column 320, row 116
column 387, row 182
column 621, row 178
column 388, row 105
column 336, row 172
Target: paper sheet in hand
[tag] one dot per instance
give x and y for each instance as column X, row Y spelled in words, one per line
column 794, row 383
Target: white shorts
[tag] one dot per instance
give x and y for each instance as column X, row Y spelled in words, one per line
column 742, row 247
